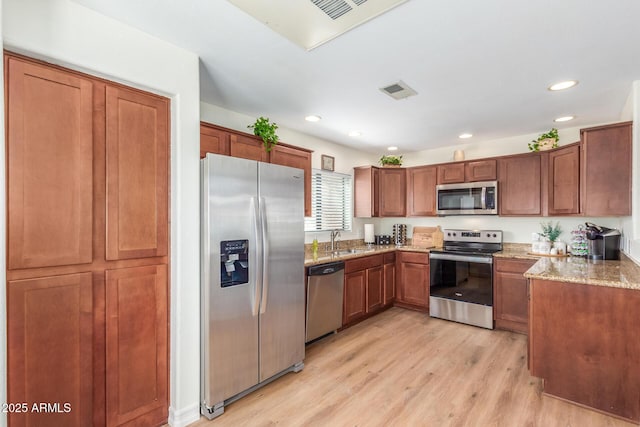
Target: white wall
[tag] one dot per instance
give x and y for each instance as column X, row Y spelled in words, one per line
column 68, row 34
column 475, row 150
column 631, row 225
column 345, row 158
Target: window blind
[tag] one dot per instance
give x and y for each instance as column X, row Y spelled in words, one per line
column 330, row 201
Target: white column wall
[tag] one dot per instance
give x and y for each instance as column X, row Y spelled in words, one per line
column 63, row 32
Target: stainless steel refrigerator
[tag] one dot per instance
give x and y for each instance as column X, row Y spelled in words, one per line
column 252, row 278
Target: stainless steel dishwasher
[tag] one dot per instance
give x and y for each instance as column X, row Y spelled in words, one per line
column 325, row 285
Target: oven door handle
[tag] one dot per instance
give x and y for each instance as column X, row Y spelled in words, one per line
column 464, row 258
column 483, row 198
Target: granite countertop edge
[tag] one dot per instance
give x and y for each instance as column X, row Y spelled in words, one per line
column 624, row 274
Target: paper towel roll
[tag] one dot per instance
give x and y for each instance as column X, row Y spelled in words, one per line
column 369, row 233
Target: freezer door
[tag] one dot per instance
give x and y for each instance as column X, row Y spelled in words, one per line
column 231, row 268
column 282, row 330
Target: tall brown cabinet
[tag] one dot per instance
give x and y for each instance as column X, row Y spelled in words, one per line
column 88, row 244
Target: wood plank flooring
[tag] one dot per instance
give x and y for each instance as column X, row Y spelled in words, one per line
column 402, row 368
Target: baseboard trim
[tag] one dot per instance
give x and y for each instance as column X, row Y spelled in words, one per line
column 184, row 416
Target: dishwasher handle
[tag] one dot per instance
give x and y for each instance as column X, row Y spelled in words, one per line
column 324, row 269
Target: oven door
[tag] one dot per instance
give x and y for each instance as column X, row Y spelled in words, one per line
column 462, row 288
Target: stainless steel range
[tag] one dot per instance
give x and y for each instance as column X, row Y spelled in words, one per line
column 462, row 276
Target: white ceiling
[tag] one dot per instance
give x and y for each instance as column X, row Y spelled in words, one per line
column 478, row 67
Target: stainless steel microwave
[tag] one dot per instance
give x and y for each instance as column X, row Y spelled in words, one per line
column 468, row 198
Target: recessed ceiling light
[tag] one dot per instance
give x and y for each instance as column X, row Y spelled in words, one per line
column 563, row 85
column 313, row 118
column 564, row 119
column 355, row 133
column 465, row 135
column 392, row 148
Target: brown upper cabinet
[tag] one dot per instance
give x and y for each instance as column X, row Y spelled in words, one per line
column 393, row 190
column 219, row 140
column 564, row 180
column 50, row 172
column 480, row 170
column 451, row 173
column 606, row 170
column 137, row 174
column 519, row 185
column 379, row 192
column 213, row 140
column 295, row 158
column 247, row 147
column 421, row 191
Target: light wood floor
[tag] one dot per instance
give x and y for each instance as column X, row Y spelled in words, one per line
column 402, row 368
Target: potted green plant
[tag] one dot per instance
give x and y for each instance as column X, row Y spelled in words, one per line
column 546, row 141
column 391, row 161
column 265, row 130
column 550, row 231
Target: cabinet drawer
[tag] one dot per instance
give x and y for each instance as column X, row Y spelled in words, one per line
column 362, row 263
column 389, row 257
column 414, row 257
column 513, row 265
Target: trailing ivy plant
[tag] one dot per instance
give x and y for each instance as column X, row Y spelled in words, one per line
column 534, row 145
column 265, row 130
column 390, row 160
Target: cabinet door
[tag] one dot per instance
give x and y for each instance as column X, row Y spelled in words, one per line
column 413, row 279
column 136, row 345
column 213, row 140
column 519, row 188
column 511, row 302
column 481, row 170
column 49, row 166
column 50, row 353
column 389, row 283
column 606, row 170
column 564, row 181
column 392, row 192
column 451, row 173
column 295, row 158
column 354, row 296
column 365, row 184
column 421, row 191
column 247, row 147
column 375, row 290
column 137, row 174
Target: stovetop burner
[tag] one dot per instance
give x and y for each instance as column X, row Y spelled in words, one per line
column 472, row 242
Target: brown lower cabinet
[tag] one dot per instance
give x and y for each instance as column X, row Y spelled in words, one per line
column 583, row 341
column 87, row 216
column 510, row 298
column 366, row 290
column 389, row 278
column 413, row 280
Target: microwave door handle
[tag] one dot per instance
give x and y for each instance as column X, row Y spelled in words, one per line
column 483, row 198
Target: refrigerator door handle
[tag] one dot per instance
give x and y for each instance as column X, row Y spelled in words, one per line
column 258, row 268
column 265, row 257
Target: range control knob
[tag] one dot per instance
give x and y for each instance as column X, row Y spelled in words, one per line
column 489, row 235
column 494, row 235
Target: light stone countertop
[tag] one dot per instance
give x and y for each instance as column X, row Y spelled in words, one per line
column 324, row 257
column 623, row 274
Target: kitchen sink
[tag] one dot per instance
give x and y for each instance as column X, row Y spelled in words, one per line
column 347, row 252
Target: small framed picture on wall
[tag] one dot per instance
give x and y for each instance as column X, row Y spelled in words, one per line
column 328, row 163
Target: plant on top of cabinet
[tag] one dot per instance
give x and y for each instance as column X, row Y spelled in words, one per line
column 391, row 161
column 265, row 130
column 546, row 141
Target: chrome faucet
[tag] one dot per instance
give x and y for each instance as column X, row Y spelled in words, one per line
column 334, row 243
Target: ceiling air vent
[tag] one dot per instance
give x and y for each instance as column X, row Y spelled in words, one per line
column 399, row 90
column 314, row 22
column 334, row 8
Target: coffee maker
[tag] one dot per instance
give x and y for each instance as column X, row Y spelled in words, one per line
column 604, row 243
